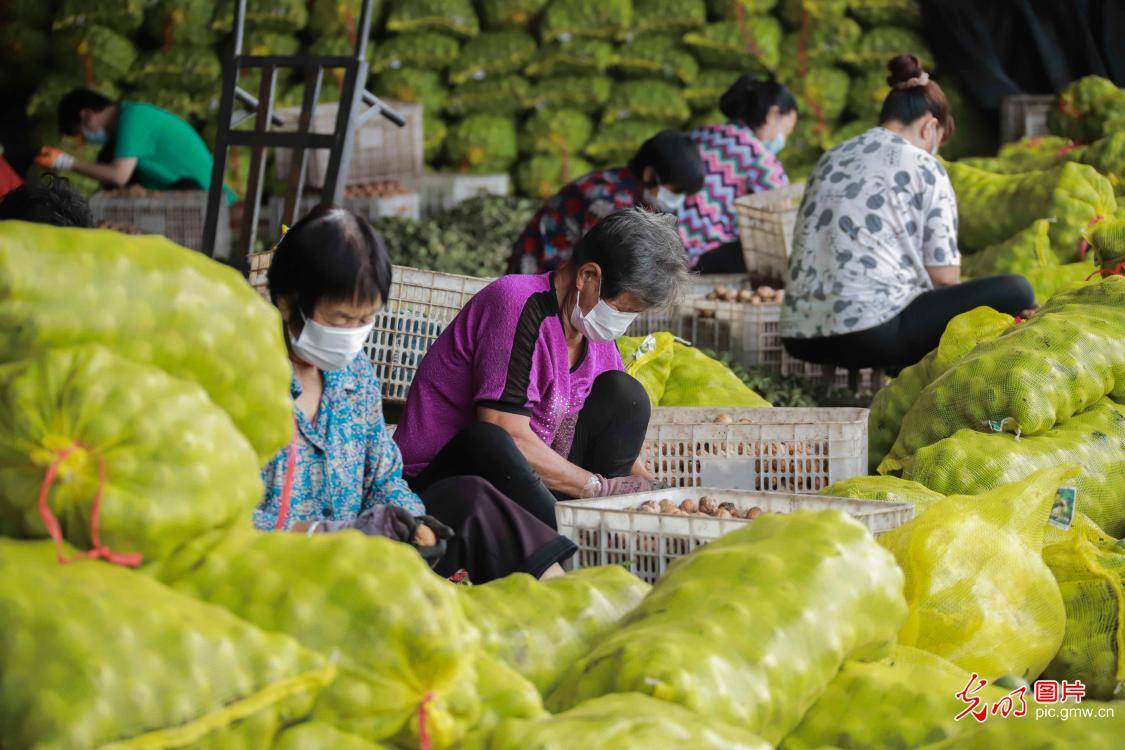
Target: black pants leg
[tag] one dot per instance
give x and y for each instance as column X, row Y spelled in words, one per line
column 726, row 258
column 493, row 535
column 916, row 331
column 488, row 451
column 611, row 426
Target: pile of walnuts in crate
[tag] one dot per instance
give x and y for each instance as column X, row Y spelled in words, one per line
column 759, row 296
column 707, row 506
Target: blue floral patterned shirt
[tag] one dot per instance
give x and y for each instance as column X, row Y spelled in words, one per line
column 346, row 460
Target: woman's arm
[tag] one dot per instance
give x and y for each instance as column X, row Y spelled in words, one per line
column 382, row 471
column 944, row 275
column 117, row 173
column 556, row 472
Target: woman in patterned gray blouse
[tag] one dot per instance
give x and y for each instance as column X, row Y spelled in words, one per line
column 874, row 275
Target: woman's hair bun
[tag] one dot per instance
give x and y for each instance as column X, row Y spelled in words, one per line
column 903, row 68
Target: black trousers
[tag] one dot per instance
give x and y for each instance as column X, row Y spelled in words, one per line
column 607, row 440
column 916, row 331
column 726, row 258
column 494, row 537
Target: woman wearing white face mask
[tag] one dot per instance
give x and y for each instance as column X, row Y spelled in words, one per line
column 740, row 157
column 875, row 270
column 329, row 275
column 664, row 171
column 526, row 388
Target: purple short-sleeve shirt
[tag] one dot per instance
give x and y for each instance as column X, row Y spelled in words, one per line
column 506, row 350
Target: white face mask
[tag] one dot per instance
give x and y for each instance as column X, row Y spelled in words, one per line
column 667, row 201
column 603, row 323
column 330, row 348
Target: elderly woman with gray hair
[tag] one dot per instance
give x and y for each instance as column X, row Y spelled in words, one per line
column 526, row 388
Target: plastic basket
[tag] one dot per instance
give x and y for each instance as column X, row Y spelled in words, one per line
column 677, row 317
column 438, row 191
column 369, row 207
column 799, row 450
column 1024, row 116
column 606, row 533
column 179, row 215
column 421, row 305
column 259, row 267
column 766, row 221
column 382, row 150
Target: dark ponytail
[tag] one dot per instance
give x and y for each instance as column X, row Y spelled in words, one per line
column 914, row 94
column 748, row 100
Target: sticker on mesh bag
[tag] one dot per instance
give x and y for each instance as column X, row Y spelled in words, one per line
column 1000, row 425
column 1062, row 512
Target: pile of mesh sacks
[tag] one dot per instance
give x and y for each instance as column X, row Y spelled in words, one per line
column 545, row 89
column 144, row 385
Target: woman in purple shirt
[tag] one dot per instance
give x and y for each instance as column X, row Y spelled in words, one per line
column 526, row 389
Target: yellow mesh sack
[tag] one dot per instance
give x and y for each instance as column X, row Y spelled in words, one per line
column 888, row 489
column 649, row 360
column 677, row 375
column 1107, row 240
column 1090, row 575
column 978, row 591
column 316, row 735
column 903, row 701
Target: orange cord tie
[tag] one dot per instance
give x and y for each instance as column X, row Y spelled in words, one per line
column 803, row 44
column 1083, row 243
column 747, row 37
column 424, row 742
column 1067, row 147
column 1117, row 270
column 88, row 67
column 287, row 483
column 98, row 550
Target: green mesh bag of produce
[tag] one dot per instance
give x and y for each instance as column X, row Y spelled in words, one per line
column 540, row 628
column 117, row 456
column 34, row 13
column 880, row 44
column 413, row 85
column 847, row 131
column 433, row 137
column 821, row 43
column 1024, row 250
column 886, row 489
column 492, row 53
column 865, row 98
column 822, row 92
column 617, row 143
column 993, row 207
column 1036, row 375
column 668, row 15
column 504, row 694
column 903, row 701
column 92, row 54
column 893, row 401
column 971, row 462
column 402, row 642
column 124, row 16
column 718, row 635
column 1088, row 109
column 340, row 18
column 94, row 655
column 428, row 50
column 577, row 56
column 1038, row 152
column 1091, row 577
column 504, row 14
column 154, row 302
column 699, row 380
column 556, row 131
column 649, row 360
column 656, row 55
column 710, row 117
column 317, row 735
column 751, row 45
column 482, row 143
column 543, row 175
column 617, row 722
column 732, row 10
column 906, row 13
column 1102, row 727
column 263, row 15
column 174, row 22
column 1106, row 155
column 978, row 590
column 649, row 99
column 796, row 12
column 704, row 92
column 1107, row 241
column 187, row 69
column 500, row 95
column 587, row 93
column 1049, row 280
column 450, row 16
column 567, row 19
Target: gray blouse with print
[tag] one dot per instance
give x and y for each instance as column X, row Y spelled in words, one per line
column 877, row 211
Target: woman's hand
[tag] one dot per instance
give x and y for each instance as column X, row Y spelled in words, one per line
column 424, row 536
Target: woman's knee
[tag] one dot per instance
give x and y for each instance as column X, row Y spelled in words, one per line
column 617, row 389
column 485, row 441
column 1018, row 293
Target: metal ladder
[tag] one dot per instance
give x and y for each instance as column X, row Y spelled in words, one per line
column 356, row 107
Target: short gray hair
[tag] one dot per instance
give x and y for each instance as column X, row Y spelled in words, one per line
column 639, row 252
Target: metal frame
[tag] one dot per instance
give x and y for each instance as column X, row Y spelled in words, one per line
column 350, row 115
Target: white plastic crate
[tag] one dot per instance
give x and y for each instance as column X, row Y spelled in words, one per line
column 766, row 222
column 369, row 207
column 421, row 305
column 179, row 215
column 259, row 267
column 606, row 533
column 676, row 318
column 438, row 191
column 382, row 150
column 778, row 449
column 1025, row 116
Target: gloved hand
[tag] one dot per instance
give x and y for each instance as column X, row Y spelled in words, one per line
column 431, row 553
column 608, row 487
column 52, row 158
column 390, row 521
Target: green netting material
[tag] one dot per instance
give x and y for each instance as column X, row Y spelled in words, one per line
column 482, row 143
column 450, row 16
column 605, row 19
column 492, row 53
column 576, row 57
column 649, row 99
column 655, row 56
column 750, row 45
column 543, row 175
column 429, row 50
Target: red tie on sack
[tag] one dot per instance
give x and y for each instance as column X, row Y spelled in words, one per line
column 1083, row 243
column 424, row 742
column 98, row 551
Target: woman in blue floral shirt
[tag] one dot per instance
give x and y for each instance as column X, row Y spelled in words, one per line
column 329, row 276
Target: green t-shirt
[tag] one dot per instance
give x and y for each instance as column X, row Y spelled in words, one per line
column 168, row 150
